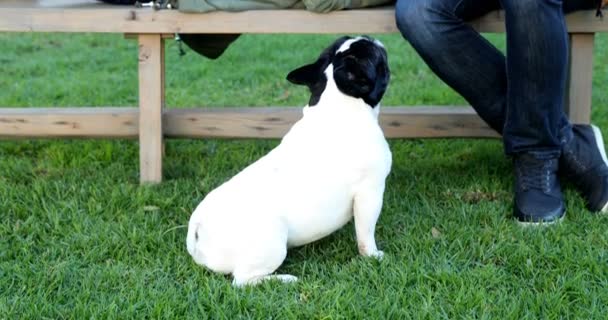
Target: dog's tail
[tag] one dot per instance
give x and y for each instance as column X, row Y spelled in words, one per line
column 192, row 237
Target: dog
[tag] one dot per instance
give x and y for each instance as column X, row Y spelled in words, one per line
column 330, row 167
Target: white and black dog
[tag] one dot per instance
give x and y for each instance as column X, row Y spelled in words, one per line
column 329, row 167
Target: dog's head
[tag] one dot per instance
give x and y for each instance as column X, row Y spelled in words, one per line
column 359, row 66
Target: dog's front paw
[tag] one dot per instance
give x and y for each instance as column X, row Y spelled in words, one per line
column 370, row 251
column 378, row 255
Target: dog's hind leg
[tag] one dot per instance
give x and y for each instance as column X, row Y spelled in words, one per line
column 264, row 255
column 285, row 278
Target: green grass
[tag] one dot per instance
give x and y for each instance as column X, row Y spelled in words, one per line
column 79, row 238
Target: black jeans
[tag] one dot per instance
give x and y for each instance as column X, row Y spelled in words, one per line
column 521, row 95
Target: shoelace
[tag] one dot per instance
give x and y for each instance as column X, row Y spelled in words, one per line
column 577, row 166
column 534, row 174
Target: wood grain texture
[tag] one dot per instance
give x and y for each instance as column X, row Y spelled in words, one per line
column 268, row 122
column 236, row 122
column 101, row 122
column 433, row 122
column 580, row 78
column 151, row 103
column 274, row 122
column 96, row 17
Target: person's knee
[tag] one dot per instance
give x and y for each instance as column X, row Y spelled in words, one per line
column 414, row 16
column 529, row 8
column 532, row 17
column 406, row 15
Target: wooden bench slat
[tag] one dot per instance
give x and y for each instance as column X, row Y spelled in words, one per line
column 234, row 122
column 128, row 19
column 274, row 122
column 97, row 122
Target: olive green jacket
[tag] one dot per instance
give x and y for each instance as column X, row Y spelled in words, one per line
column 241, row 5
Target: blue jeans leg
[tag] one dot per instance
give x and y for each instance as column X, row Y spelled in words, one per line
column 520, row 96
column 537, row 60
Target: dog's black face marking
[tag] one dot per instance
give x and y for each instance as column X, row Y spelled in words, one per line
column 360, row 71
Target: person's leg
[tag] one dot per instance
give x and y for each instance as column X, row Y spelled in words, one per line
column 478, row 71
column 461, row 57
column 535, row 120
column 457, row 53
column 583, row 160
column 574, row 5
column 475, row 69
column 537, row 60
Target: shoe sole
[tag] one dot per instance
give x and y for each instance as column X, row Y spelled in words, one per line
column 604, row 209
column 599, row 140
column 530, row 224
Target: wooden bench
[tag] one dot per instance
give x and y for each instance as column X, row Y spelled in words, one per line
column 151, row 122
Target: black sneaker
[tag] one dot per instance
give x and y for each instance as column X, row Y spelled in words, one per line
column 583, row 161
column 538, row 195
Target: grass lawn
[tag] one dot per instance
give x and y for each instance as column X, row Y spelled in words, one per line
column 79, row 238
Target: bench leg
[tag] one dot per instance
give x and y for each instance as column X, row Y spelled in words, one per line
column 151, row 103
column 578, row 97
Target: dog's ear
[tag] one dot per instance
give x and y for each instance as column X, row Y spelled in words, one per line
column 312, row 76
column 309, row 74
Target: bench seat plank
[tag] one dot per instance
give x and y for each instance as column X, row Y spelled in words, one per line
column 91, row 16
